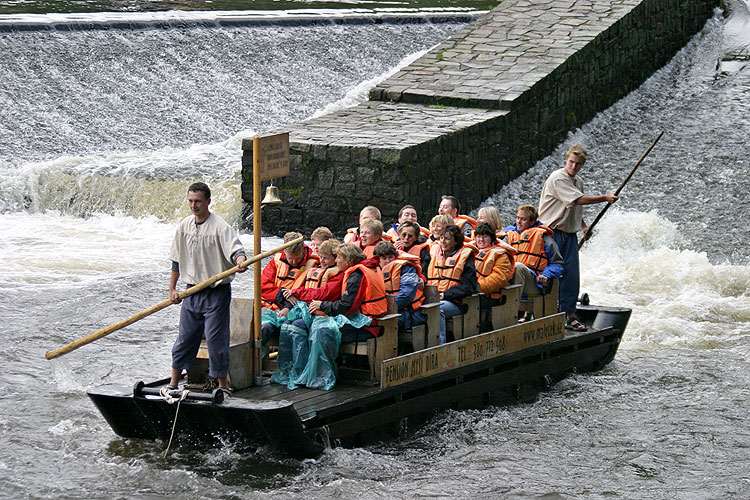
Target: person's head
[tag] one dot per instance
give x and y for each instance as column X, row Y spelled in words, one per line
column 370, row 231
column 408, row 233
column 327, row 252
column 438, row 223
column 574, row 159
column 407, row 213
column 452, row 239
column 484, row 235
column 386, row 251
column 295, row 252
column 490, row 214
column 369, row 212
column 318, row 236
column 449, row 205
column 348, row 255
column 526, row 217
column 199, row 198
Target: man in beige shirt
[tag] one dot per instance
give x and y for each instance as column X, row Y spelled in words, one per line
column 204, row 245
column 561, row 209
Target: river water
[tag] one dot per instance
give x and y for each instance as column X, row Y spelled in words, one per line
column 102, row 130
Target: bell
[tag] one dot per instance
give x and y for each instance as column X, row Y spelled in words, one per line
column 272, row 196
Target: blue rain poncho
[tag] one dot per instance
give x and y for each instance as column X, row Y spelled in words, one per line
column 309, row 346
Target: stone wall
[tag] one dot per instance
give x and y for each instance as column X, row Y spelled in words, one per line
column 476, row 111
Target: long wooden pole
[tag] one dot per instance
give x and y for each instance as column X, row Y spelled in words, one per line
column 617, row 193
column 161, row 305
column 255, row 346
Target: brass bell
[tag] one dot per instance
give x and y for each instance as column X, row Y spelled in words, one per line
column 272, row 196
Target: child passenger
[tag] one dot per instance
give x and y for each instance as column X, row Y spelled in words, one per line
column 402, row 273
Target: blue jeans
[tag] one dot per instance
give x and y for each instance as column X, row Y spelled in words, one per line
column 447, row 310
column 569, row 281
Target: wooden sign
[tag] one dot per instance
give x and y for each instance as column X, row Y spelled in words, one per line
column 273, row 156
column 472, row 350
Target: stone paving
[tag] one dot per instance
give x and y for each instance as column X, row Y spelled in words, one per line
column 494, row 60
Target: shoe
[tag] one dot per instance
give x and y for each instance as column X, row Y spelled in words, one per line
column 575, row 325
column 527, row 316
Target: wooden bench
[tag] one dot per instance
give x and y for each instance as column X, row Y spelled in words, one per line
column 505, row 314
column 426, row 334
column 541, row 305
column 467, row 324
column 240, row 362
column 377, row 350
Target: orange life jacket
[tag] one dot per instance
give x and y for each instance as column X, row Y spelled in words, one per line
column 416, row 248
column 461, row 220
column 392, row 234
column 446, row 273
column 374, row 303
column 529, row 246
column 485, row 259
column 288, row 276
column 392, row 276
column 317, row 277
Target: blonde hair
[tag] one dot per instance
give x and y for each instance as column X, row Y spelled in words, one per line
column 329, row 247
column 321, row 233
column 373, row 225
column 492, row 214
column 530, row 211
column 443, row 219
column 351, row 253
column 577, row 150
column 370, row 209
column 297, row 247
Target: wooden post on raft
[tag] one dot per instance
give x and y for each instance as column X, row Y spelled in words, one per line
column 617, row 193
column 161, row 305
column 270, row 160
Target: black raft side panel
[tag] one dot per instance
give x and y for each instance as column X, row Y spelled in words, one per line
column 117, row 405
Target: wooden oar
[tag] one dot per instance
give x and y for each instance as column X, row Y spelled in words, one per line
column 617, row 193
column 161, row 305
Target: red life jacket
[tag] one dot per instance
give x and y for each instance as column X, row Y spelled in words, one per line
column 288, row 276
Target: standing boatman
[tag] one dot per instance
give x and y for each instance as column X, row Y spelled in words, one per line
column 204, row 245
column 561, row 208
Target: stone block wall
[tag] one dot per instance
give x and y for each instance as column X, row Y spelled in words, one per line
column 476, row 111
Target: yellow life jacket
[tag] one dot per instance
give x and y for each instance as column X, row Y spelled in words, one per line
column 529, row 246
column 317, row 277
column 446, row 273
column 485, row 259
column 374, row 303
column 392, row 276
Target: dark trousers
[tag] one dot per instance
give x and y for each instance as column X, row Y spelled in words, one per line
column 204, row 312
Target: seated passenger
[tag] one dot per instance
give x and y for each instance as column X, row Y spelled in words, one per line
column 452, row 271
column 402, row 272
column 317, row 277
column 370, row 234
column 407, row 213
column 538, row 258
column 318, row 236
column 494, row 263
column 449, row 205
column 412, row 242
column 369, row 212
column 348, row 319
column 437, row 225
column 492, row 215
column 287, row 269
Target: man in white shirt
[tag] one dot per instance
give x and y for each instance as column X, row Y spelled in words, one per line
column 204, row 245
column 561, row 209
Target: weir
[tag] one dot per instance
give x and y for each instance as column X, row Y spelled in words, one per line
column 476, row 111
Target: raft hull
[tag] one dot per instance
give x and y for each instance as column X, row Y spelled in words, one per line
column 301, row 422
